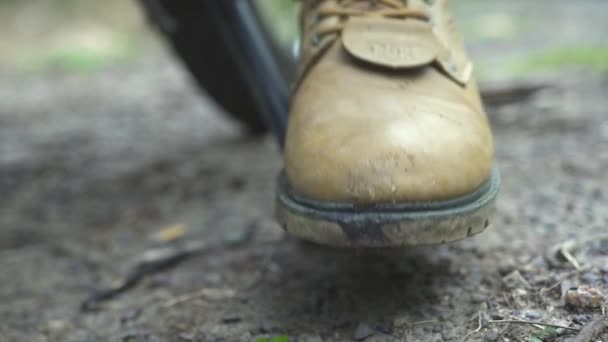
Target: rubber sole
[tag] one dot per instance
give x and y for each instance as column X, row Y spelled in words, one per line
column 388, row 225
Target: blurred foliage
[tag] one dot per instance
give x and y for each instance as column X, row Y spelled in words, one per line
column 282, row 17
column 555, row 59
column 280, row 338
column 79, row 57
column 545, row 335
column 550, row 60
column 70, row 35
column 85, row 35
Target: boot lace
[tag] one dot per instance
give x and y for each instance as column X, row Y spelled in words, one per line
column 357, row 8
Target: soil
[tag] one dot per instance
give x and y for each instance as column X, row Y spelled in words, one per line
column 94, row 165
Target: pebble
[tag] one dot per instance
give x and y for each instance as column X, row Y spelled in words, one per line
column 448, row 335
column 591, row 278
column 584, row 297
column 492, row 336
column 269, row 328
column 478, row 298
column 362, row 332
column 533, row 314
column 56, row 326
column 496, row 316
column 187, row 336
column 130, row 316
column 309, row 338
column 384, row 327
column 401, row 321
column 237, row 237
column 231, row 319
column 581, row 319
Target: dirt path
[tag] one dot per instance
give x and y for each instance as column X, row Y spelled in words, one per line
column 93, row 165
column 75, row 216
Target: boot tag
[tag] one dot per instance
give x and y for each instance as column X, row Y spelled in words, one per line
column 391, row 43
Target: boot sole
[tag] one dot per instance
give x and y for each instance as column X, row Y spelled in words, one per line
column 388, row 225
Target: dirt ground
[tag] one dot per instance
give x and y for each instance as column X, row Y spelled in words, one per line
column 94, row 165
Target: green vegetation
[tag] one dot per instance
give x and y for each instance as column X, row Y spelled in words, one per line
column 280, row 338
column 71, row 35
column 593, row 57
column 79, row 57
column 547, row 334
column 550, row 60
column 282, row 18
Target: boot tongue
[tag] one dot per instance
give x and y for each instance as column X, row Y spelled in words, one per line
column 393, row 43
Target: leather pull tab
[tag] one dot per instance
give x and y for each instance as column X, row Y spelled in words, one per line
column 389, row 42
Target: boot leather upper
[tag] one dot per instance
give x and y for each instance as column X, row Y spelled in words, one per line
column 385, row 109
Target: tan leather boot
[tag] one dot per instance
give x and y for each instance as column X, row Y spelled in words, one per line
column 388, row 143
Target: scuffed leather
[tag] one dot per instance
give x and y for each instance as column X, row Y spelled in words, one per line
column 371, row 131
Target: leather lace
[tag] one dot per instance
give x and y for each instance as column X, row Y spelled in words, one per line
column 345, row 8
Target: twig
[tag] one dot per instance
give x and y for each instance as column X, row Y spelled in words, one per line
column 503, row 331
column 210, row 293
column 472, row 332
column 424, row 322
column 591, row 331
column 564, row 277
column 409, row 326
column 568, row 247
column 516, row 321
column 150, row 262
column 517, row 275
column 571, row 259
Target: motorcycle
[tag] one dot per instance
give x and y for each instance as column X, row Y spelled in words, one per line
column 233, row 56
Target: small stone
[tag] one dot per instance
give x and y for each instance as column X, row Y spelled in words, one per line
column 514, row 280
column 401, row 321
column 169, row 234
column 269, row 328
column 57, row 326
column 187, row 336
column 580, row 319
column 309, row 338
column 520, row 292
column 130, row 316
column 591, row 278
column 584, row 297
column 550, row 227
column 492, row 336
column 134, row 334
column 496, row 316
column 442, row 312
column 478, row 298
column 238, row 237
column 533, row 314
column 384, row 327
column 362, row 332
column 231, row 319
column 448, row 335
column 83, row 336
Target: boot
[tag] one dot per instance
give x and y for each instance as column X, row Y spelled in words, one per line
column 388, row 143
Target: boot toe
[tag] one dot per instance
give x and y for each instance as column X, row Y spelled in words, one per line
column 390, row 151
